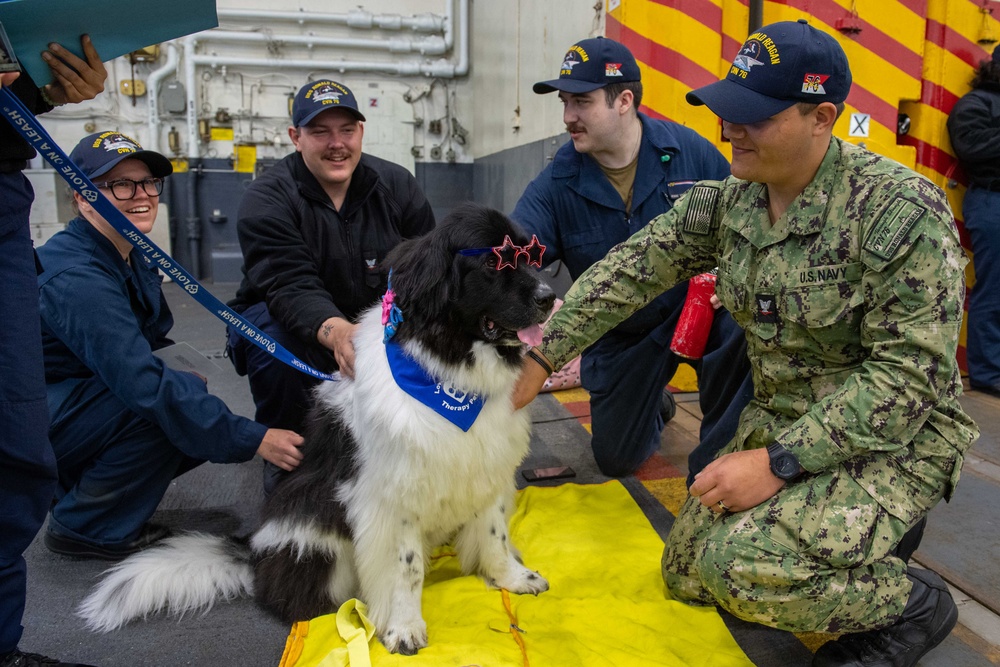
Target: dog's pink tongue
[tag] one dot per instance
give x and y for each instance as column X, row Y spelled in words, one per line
column 531, row 336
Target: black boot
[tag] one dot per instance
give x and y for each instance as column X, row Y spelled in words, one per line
column 668, row 406
column 928, row 618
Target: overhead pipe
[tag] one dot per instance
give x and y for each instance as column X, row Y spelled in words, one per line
column 409, row 68
column 423, row 45
column 356, row 18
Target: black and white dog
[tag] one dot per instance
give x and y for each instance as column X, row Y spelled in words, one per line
column 421, row 447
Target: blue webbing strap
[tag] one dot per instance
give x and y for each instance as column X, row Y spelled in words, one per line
column 25, row 123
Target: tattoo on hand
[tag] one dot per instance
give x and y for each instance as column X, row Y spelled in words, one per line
column 327, row 330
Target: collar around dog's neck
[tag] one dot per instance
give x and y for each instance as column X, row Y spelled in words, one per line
column 392, row 316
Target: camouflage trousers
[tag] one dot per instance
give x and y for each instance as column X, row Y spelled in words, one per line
column 816, row 557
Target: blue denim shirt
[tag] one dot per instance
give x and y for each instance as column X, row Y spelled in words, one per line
column 101, row 317
column 579, row 216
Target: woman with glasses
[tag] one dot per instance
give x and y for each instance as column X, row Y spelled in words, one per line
column 123, row 424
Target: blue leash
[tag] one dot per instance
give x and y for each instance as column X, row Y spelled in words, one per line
column 27, row 125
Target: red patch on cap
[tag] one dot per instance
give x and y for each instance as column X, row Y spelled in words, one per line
column 813, row 84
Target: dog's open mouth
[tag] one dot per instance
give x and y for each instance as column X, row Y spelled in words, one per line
column 530, row 335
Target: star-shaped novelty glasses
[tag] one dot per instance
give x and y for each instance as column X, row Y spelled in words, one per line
column 508, row 253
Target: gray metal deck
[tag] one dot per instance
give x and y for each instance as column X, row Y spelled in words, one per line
column 961, row 542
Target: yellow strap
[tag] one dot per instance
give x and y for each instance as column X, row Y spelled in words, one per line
column 515, row 631
column 294, row 644
column 356, row 631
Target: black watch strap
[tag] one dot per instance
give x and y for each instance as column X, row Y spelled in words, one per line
column 784, row 464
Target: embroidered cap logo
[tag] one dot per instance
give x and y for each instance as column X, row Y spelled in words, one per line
column 508, row 253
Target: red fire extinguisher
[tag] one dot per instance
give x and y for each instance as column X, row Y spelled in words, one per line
column 695, row 322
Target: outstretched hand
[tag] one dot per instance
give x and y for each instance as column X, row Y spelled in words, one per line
column 76, row 79
column 740, row 480
column 530, row 382
column 281, row 447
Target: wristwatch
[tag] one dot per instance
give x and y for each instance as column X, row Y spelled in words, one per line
column 784, row 465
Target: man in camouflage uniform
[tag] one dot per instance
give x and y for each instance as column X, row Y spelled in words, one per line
column 845, row 270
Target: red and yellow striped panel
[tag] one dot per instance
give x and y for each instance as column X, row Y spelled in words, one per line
column 914, row 57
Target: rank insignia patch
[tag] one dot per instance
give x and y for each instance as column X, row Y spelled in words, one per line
column 765, row 310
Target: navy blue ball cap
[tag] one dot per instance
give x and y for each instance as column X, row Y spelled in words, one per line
column 98, row 153
column 592, row 64
column 778, row 66
column 317, row 96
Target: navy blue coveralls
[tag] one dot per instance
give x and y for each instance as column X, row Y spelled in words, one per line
column 27, row 466
column 123, row 424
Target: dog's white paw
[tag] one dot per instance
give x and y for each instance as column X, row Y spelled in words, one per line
column 521, row 580
column 405, row 638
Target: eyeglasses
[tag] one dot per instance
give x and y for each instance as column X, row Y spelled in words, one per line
column 508, row 253
column 124, row 188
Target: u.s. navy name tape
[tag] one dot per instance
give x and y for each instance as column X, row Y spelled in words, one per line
column 25, row 123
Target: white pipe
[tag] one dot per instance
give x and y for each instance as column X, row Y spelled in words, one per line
column 462, row 68
column 447, row 68
column 449, row 23
column 193, row 142
column 424, row 45
column 406, row 68
column 153, row 88
column 356, row 18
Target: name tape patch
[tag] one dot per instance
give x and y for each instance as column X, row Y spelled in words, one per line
column 892, row 227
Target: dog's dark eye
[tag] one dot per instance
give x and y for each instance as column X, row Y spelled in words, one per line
column 491, row 261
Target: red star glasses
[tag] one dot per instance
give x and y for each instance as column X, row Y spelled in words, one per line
column 508, row 253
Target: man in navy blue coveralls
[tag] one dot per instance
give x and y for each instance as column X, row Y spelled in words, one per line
column 621, row 170
column 27, row 464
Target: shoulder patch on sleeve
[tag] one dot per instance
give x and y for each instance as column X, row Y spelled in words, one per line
column 892, row 227
column 700, row 215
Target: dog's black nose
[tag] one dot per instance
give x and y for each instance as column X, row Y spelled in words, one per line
column 544, row 297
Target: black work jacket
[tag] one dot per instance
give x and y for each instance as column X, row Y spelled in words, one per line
column 310, row 262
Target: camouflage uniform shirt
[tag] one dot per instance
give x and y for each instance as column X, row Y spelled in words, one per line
column 851, row 303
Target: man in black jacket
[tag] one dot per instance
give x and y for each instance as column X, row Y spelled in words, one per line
column 974, row 126
column 27, row 463
column 313, row 230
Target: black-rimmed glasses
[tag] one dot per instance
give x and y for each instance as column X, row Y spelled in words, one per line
column 124, row 188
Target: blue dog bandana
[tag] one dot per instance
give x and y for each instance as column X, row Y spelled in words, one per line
column 456, row 405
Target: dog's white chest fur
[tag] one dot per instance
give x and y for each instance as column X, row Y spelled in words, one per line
column 412, row 456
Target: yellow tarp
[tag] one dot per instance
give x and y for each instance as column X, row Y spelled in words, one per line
column 605, row 605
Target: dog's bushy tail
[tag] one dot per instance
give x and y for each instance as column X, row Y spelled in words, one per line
column 183, row 574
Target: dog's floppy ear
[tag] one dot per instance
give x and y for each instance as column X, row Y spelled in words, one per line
column 422, row 275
